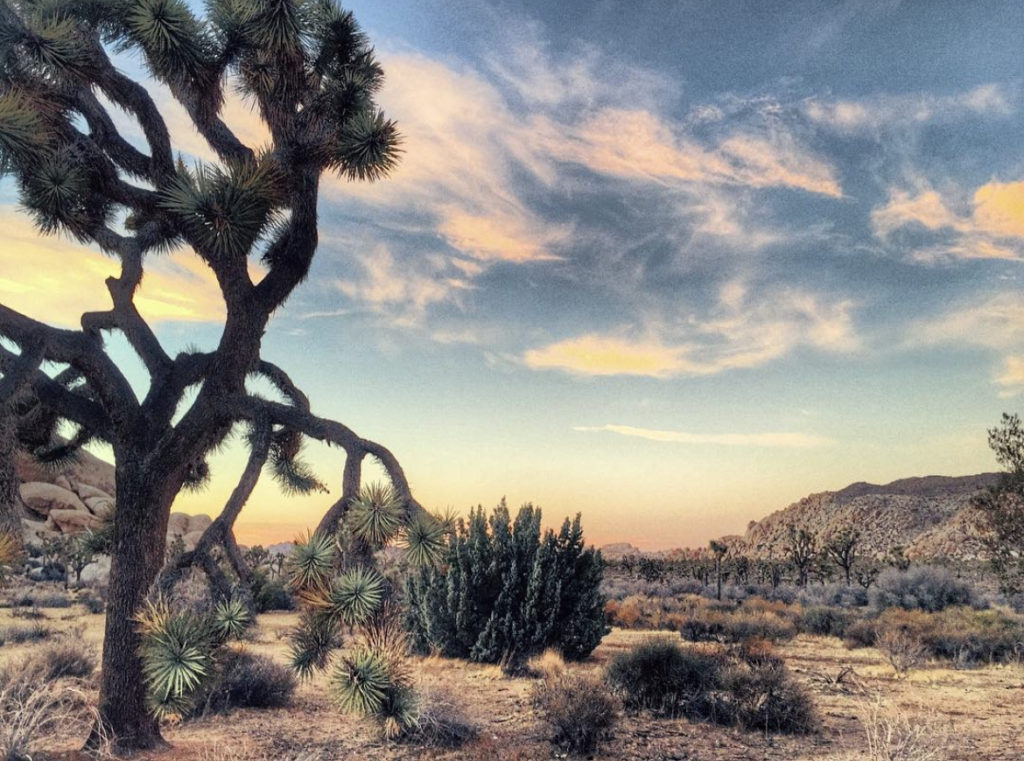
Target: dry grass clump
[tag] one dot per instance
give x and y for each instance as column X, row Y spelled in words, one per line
column 547, row 665
column 32, row 709
column 442, row 720
column 579, row 708
column 893, row 736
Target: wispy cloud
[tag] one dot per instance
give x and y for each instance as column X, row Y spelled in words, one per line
column 990, row 226
column 995, row 322
column 1011, row 377
column 744, row 330
column 771, row 439
column 876, row 113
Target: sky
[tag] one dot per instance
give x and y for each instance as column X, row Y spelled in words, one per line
column 673, row 265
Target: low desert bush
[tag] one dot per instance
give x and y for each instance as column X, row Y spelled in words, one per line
column 833, row 596
column 662, row 677
column 747, row 685
column 705, row 624
column 271, row 594
column 579, row 708
column 92, row 603
column 903, row 649
column 825, row 621
column 53, row 601
column 960, row 634
column 924, row 588
column 67, row 657
column 250, row 680
column 17, row 635
column 442, row 721
column 761, row 695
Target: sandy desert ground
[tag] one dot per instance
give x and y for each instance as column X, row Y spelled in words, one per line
column 975, row 714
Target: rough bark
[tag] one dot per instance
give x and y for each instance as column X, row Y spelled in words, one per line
column 10, row 499
column 140, row 529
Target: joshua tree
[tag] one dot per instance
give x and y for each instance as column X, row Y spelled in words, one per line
column 311, row 76
column 802, row 551
column 841, row 549
column 718, row 549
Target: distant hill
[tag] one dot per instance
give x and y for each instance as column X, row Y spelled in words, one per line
column 929, row 517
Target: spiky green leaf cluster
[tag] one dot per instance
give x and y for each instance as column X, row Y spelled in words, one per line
column 425, row 540
column 225, row 211
column 368, row 146
column 354, row 596
column 311, row 561
column 375, row 680
column 231, row 618
column 312, row 642
column 377, row 514
column 177, row 656
column 178, row 47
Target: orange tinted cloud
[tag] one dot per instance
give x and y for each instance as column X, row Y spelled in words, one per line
column 999, row 208
column 607, row 355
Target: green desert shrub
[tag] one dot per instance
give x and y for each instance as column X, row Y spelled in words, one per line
column 924, row 588
column 579, row 708
column 270, row 594
column 761, row 695
column 504, row 591
column 824, row 620
column 661, row 677
column 747, row 685
column 250, row 680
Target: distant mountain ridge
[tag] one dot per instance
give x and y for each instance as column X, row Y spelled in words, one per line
column 929, row 516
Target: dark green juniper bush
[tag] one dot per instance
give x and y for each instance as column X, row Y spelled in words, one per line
column 312, row 77
column 504, row 591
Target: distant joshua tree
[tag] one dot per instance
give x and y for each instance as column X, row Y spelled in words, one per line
column 841, row 549
column 719, row 550
column 311, row 76
column 802, row 551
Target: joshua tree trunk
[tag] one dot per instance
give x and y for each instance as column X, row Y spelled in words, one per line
column 10, row 499
column 140, row 530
